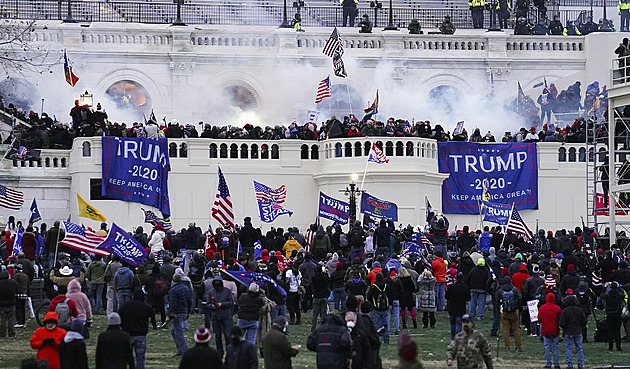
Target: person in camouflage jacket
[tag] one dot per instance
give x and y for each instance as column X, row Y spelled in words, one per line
column 469, row 347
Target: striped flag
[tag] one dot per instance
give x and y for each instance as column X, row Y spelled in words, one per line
column 338, row 66
column 374, row 107
column 82, row 239
column 377, row 155
column 268, row 194
column 71, row 78
column 323, row 90
column 333, row 44
column 596, row 280
column 11, row 199
column 210, row 246
column 222, row 209
column 518, row 226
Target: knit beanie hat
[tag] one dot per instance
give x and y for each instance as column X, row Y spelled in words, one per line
column 202, row 335
column 550, row 281
column 570, row 267
column 407, row 348
column 253, row 287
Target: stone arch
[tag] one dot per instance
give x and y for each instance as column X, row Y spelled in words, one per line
column 158, row 96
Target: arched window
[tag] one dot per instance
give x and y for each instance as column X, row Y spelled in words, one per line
column 582, row 155
column 409, row 149
column 562, row 154
column 172, row 150
column 223, row 151
column 47, row 161
column 389, row 148
column 339, row 103
column 275, row 151
column 572, row 154
column 63, row 162
column 304, row 152
column 87, row 149
column 183, row 150
column 591, row 156
column 55, row 163
column 264, row 151
column 244, row 151
column 130, row 95
column 233, row 151
column 314, row 152
column 357, row 149
column 254, row 149
column 213, row 151
column 366, row 148
column 348, row 150
column 399, row 148
column 338, row 150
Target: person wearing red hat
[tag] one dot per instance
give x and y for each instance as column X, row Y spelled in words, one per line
column 571, row 280
column 201, row 355
column 156, row 243
column 548, row 316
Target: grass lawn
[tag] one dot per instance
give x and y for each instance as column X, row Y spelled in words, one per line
column 432, row 345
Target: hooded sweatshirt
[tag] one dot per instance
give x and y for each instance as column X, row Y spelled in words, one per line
column 49, row 352
column 548, row 316
column 84, row 309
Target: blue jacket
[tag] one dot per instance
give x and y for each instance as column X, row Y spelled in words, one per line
column 225, row 298
column 123, row 279
column 485, row 241
column 179, row 299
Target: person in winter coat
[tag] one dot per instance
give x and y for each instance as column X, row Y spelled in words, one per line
column 156, row 243
column 72, row 352
column 8, row 291
column 337, row 286
column 179, row 301
column 321, row 290
column 123, row 282
column 548, row 316
column 476, row 280
column 407, row 300
column 29, row 244
column 571, row 320
column 457, row 295
column 381, row 291
column 291, row 245
column 73, row 312
column 426, row 298
column 276, row 346
column 586, row 297
column 84, row 308
column 220, row 302
column 614, row 299
column 469, row 347
column 510, row 300
column 376, row 268
column 95, row 275
column 113, row 347
column 135, row 316
column 361, row 349
column 439, row 272
column 22, row 293
column 201, row 356
column 321, row 244
column 240, row 353
column 332, row 343
column 46, row 340
column 249, row 305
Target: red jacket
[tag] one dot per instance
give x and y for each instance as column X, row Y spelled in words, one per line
column 71, row 305
column 548, row 316
column 48, row 352
column 519, row 278
column 439, row 270
column 372, row 274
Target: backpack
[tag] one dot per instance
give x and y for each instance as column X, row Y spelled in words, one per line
column 509, row 300
column 343, row 241
column 160, row 288
column 381, row 300
column 356, row 236
column 63, row 314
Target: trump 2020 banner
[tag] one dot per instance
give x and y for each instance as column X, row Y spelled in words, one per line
column 136, row 170
column 123, row 245
column 333, row 209
column 510, row 169
column 377, row 208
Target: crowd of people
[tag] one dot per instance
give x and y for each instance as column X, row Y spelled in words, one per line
column 361, row 287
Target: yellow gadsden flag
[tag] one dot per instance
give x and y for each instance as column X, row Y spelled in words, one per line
column 87, row 211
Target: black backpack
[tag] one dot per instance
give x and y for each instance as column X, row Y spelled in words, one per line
column 381, row 300
column 356, row 236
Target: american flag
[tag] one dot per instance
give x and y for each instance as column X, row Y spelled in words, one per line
column 333, row 44
column 210, row 246
column 267, row 194
column 150, row 217
column 159, row 258
column 323, row 90
column 518, row 226
column 424, row 240
column 377, row 155
column 82, row 239
column 596, row 280
column 222, row 209
column 11, row 199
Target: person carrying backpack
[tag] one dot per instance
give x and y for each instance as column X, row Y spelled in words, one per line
column 381, row 296
column 64, row 307
column 356, row 240
column 510, row 300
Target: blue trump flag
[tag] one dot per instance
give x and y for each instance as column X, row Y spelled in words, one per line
column 496, row 213
column 376, row 208
column 123, row 245
column 333, row 209
column 509, row 169
column 269, row 211
column 247, row 278
column 17, row 244
column 35, row 216
column 257, row 250
column 136, row 170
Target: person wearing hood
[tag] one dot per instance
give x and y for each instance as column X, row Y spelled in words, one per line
column 332, row 343
column 123, row 282
column 84, row 308
column 72, row 352
column 141, row 237
column 528, row 291
column 376, row 268
column 571, row 320
column 8, row 291
column 179, row 302
column 201, row 356
column 548, row 317
column 614, row 298
column 381, row 296
column 46, row 340
column 6, row 245
column 64, row 322
column 382, row 238
column 241, row 354
column 331, row 264
column 321, row 292
column 426, row 298
column 156, row 243
column 477, row 280
column 510, row 300
column 571, row 280
column 466, row 264
column 134, row 317
column 321, row 244
column 249, row 305
column 29, row 243
column 492, row 254
column 457, row 296
column 465, row 241
column 291, row 245
column 220, row 303
column 95, row 275
column 113, row 347
column 276, row 346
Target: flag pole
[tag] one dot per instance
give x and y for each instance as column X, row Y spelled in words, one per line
column 56, row 247
column 349, row 100
column 365, row 170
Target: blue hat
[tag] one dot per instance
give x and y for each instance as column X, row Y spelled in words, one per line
column 376, row 264
column 77, row 325
column 559, row 255
column 467, row 318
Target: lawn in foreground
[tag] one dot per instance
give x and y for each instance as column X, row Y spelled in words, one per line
column 432, row 345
